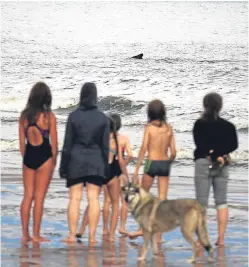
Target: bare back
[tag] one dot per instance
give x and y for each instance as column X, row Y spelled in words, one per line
column 33, row 133
column 124, row 146
column 159, row 141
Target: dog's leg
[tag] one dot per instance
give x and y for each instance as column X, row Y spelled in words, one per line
column 202, row 233
column 147, row 236
column 189, row 236
column 154, row 244
column 152, row 216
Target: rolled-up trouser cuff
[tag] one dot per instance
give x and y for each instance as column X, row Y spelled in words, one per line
column 221, row 206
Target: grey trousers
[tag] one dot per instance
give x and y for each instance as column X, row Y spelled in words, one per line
column 204, row 178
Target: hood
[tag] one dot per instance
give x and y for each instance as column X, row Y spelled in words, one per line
column 88, row 96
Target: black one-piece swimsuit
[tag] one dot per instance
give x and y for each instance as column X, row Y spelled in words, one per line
column 35, row 156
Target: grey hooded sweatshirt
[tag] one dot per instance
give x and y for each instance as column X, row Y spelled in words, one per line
column 86, row 144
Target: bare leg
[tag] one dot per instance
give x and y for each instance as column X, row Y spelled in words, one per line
column 75, row 196
column 114, row 191
column 85, row 222
column 93, row 192
column 29, row 185
column 163, row 183
column 106, row 210
column 123, row 216
column 222, row 217
column 42, row 181
column 146, row 185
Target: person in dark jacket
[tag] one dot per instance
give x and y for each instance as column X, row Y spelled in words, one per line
column 85, row 158
column 214, row 139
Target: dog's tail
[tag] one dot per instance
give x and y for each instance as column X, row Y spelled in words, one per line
column 202, row 232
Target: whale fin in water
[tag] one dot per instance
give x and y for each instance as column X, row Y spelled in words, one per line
column 140, row 56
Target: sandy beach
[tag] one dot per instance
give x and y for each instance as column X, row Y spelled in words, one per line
column 174, row 251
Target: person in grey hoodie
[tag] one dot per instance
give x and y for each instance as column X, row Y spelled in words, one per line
column 84, row 159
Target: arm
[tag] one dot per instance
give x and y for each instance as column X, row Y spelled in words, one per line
column 229, row 144
column 172, row 147
column 105, row 145
column 21, row 136
column 198, row 138
column 66, row 151
column 128, row 150
column 122, row 162
column 232, row 140
column 53, row 135
column 142, row 151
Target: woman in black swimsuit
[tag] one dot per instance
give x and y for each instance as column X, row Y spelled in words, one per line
column 117, row 166
column 37, row 126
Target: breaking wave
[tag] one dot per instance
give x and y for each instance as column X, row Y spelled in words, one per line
column 118, row 104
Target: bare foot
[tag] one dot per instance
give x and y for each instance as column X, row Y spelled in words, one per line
column 26, row 239
column 105, row 232
column 123, row 232
column 135, row 235
column 69, row 240
column 40, row 239
column 111, row 238
column 92, row 242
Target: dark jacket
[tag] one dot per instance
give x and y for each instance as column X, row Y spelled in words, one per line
column 218, row 135
column 86, row 144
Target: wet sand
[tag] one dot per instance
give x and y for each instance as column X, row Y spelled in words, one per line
column 174, row 251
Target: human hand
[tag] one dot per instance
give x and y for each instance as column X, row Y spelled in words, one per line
column 54, row 161
column 135, row 178
column 221, row 160
column 227, row 159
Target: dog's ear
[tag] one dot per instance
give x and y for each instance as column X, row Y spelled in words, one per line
column 135, row 186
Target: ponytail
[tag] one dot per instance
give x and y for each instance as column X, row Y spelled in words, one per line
column 113, row 129
column 116, row 139
column 210, row 114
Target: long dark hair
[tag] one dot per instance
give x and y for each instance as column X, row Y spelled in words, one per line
column 113, row 129
column 212, row 104
column 156, row 111
column 40, row 100
column 117, row 120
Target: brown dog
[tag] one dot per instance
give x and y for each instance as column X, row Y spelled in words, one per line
column 156, row 216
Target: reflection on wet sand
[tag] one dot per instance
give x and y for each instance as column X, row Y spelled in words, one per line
column 159, row 260
column 114, row 255
column 221, row 257
column 108, row 254
column 25, row 260
column 72, row 260
column 220, row 260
